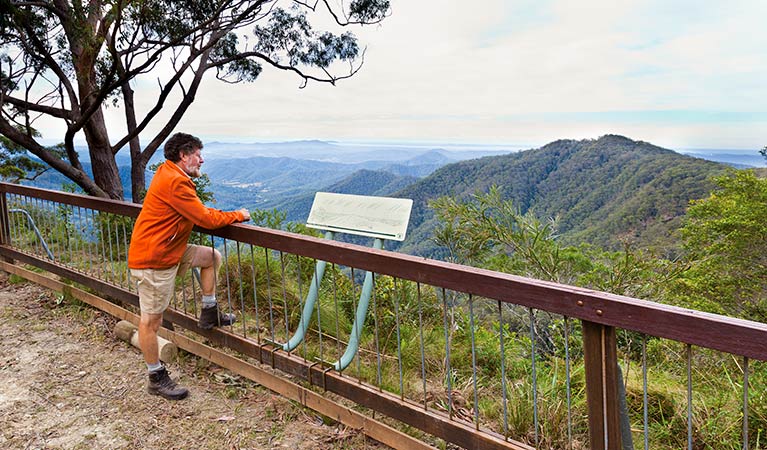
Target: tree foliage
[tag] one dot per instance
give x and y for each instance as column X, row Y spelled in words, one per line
column 69, row 60
column 488, row 231
column 725, row 234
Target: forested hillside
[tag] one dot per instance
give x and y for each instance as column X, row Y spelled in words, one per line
column 601, row 190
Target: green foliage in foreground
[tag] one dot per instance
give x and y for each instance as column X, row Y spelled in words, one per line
column 488, row 231
column 726, row 236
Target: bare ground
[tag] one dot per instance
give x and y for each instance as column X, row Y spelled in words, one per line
column 67, row 382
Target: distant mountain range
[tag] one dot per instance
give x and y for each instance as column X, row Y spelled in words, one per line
column 270, row 181
column 601, row 190
column 348, row 153
column 736, row 158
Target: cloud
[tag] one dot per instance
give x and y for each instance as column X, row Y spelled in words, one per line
column 500, row 71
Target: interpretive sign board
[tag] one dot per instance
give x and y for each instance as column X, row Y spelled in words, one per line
column 378, row 217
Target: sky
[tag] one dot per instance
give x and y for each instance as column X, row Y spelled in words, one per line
column 681, row 74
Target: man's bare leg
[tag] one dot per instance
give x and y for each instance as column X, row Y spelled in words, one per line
column 147, row 337
column 209, row 262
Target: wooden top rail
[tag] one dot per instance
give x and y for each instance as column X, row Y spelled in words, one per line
column 731, row 335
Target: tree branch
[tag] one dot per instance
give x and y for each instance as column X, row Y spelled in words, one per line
column 306, row 77
column 30, row 106
column 43, row 54
column 345, row 22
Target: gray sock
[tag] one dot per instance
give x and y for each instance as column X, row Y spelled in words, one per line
column 208, row 301
column 156, row 367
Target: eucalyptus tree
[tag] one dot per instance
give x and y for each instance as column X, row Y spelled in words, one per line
column 69, row 59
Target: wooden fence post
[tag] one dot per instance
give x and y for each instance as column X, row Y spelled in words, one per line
column 600, row 355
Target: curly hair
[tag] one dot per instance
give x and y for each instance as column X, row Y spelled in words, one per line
column 181, row 143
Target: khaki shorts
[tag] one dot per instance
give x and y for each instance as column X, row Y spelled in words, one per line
column 156, row 286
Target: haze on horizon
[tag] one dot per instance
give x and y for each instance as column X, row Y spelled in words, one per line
column 681, row 75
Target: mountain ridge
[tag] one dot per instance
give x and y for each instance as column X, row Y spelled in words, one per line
column 602, row 191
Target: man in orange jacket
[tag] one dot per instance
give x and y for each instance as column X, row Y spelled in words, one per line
column 159, row 251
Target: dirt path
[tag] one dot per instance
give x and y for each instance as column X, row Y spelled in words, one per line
column 67, row 382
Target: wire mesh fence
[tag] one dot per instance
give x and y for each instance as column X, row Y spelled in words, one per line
column 503, row 369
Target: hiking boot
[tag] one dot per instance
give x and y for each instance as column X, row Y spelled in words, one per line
column 210, row 317
column 161, row 384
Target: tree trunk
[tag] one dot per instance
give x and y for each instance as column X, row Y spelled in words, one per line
column 138, row 162
column 138, row 182
column 105, row 171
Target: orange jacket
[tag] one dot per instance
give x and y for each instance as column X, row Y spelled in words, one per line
column 170, row 211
